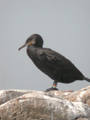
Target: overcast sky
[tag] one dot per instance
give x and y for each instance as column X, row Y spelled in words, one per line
column 64, row 26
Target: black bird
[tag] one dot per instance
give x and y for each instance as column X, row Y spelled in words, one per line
column 53, row 64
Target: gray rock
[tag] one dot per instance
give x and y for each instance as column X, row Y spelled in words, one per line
column 39, row 105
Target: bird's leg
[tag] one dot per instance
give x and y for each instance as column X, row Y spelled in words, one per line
column 54, row 84
column 53, row 87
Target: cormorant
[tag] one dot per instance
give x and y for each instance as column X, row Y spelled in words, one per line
column 53, row 64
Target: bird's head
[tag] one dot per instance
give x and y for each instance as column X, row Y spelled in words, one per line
column 33, row 40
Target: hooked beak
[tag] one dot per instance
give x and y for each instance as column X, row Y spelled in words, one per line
column 26, row 44
column 22, row 46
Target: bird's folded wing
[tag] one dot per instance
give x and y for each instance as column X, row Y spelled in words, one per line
column 50, row 56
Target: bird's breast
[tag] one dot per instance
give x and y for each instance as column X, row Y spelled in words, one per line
column 33, row 54
column 43, row 64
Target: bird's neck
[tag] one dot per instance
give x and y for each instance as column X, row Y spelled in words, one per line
column 32, row 53
column 32, row 50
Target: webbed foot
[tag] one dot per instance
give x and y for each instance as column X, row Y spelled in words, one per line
column 50, row 89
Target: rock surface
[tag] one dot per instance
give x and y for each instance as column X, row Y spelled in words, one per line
column 39, row 105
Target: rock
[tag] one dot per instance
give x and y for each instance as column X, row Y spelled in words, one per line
column 82, row 95
column 82, row 119
column 39, row 105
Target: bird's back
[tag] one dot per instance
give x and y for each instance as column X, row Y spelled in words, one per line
column 55, row 65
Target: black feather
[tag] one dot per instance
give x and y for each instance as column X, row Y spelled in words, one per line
column 53, row 64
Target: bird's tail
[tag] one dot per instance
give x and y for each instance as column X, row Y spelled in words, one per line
column 88, row 79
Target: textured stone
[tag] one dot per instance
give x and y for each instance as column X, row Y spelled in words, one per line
column 39, row 105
